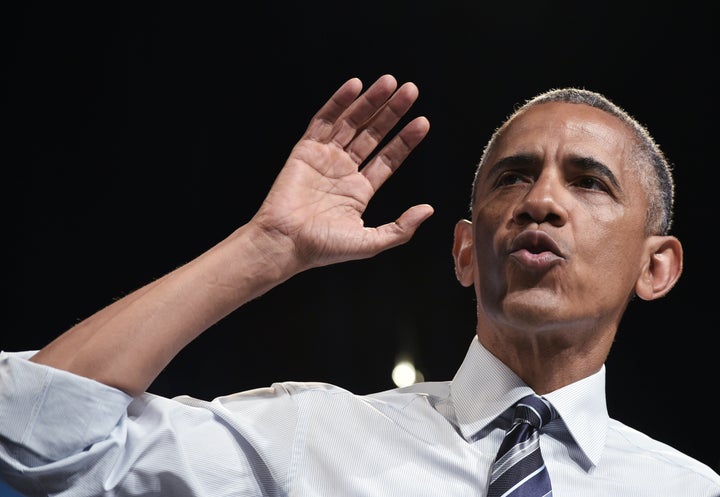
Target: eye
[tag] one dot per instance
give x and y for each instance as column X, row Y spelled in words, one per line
column 591, row 183
column 509, row 178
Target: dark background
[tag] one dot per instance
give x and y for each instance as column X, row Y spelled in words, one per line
column 140, row 136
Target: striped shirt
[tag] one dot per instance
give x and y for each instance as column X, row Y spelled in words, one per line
column 65, row 435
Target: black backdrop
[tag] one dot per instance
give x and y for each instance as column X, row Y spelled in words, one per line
column 140, row 136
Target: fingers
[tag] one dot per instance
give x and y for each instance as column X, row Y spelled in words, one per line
column 322, row 123
column 386, row 162
column 368, row 108
column 386, row 115
column 358, row 122
column 339, row 119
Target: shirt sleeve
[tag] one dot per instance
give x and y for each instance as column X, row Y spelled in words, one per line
column 66, row 435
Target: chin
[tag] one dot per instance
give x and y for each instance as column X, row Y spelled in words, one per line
column 532, row 308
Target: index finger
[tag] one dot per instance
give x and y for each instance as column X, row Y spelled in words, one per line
column 346, row 111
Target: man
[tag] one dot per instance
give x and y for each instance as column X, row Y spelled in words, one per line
column 571, row 210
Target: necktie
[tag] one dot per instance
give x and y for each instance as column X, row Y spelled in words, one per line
column 519, row 469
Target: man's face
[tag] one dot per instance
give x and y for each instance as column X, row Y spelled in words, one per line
column 558, row 220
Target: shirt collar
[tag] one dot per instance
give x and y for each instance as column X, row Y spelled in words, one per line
column 484, row 387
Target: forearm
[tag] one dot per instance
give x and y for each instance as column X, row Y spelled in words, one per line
column 311, row 217
column 127, row 344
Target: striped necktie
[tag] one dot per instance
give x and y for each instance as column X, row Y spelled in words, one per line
column 519, row 469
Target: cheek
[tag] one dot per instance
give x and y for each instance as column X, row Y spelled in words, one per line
column 490, row 216
column 490, row 238
column 612, row 255
column 489, row 231
column 608, row 229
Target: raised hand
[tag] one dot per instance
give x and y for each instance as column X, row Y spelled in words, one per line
column 318, row 199
column 311, row 217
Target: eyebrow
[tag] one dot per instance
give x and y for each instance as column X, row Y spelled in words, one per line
column 590, row 164
column 583, row 163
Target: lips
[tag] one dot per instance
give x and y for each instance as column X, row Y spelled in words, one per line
column 535, row 249
column 535, row 241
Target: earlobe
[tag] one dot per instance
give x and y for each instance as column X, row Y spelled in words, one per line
column 463, row 252
column 662, row 269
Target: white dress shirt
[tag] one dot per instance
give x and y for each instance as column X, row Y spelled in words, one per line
column 65, row 435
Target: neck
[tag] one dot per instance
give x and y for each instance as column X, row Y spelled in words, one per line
column 548, row 360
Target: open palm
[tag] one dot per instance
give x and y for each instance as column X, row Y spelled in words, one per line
column 318, row 199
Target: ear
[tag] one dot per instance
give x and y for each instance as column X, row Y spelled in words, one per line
column 662, row 269
column 463, row 252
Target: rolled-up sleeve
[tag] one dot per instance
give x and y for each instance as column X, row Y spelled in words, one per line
column 66, row 435
column 51, row 413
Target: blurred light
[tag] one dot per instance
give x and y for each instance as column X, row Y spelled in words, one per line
column 404, row 373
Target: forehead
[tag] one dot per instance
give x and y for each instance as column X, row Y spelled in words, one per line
column 565, row 128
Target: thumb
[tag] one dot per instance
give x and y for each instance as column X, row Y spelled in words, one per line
column 402, row 230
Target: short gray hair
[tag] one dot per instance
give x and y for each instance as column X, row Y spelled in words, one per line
column 656, row 172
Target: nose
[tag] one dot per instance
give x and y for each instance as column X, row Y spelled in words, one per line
column 544, row 202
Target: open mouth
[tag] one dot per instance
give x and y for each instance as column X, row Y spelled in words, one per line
column 535, row 249
column 535, row 242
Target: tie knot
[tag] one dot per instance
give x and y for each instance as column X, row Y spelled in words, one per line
column 535, row 411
